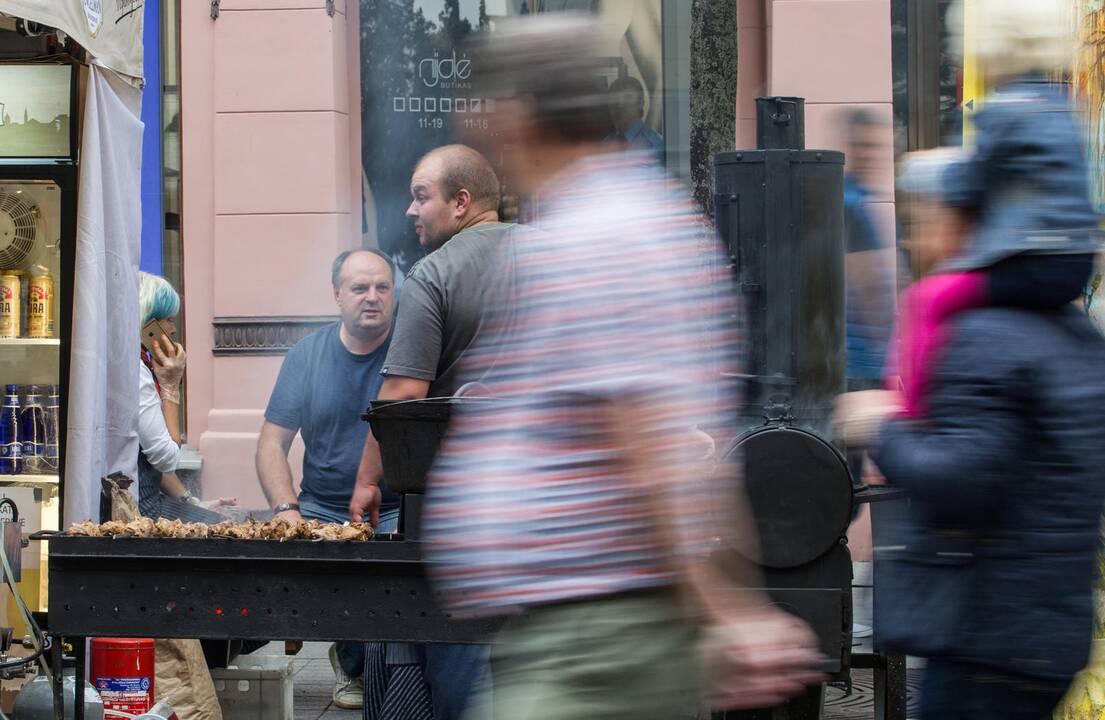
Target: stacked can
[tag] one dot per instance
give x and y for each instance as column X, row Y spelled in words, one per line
column 40, row 307
column 9, row 305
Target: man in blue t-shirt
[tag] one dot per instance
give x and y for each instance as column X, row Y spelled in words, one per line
column 326, row 382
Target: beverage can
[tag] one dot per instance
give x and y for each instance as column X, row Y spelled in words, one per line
column 9, row 305
column 40, row 307
column 11, row 449
column 50, row 461
column 32, row 432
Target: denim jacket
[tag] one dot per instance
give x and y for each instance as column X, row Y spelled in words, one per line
column 1027, row 181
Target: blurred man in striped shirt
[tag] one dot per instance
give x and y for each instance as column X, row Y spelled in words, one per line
column 583, row 499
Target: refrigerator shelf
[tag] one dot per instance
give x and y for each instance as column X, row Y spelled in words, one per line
column 32, row 481
column 31, row 342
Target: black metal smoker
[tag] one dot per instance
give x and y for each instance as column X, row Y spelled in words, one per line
column 780, row 213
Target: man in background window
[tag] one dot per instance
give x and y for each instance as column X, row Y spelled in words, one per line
column 870, row 282
column 454, row 207
column 627, row 111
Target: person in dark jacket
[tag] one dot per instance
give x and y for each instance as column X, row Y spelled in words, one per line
column 1024, row 186
column 1011, row 458
column 995, row 554
column 993, row 562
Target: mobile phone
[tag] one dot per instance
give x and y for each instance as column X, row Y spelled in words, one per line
column 153, row 330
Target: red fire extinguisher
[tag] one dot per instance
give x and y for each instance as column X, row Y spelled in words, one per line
column 123, row 673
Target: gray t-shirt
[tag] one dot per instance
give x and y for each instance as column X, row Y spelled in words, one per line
column 444, row 301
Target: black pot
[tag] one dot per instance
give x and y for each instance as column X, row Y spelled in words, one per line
column 409, row 433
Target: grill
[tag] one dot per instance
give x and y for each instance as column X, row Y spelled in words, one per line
column 243, row 589
column 780, row 215
column 248, row 589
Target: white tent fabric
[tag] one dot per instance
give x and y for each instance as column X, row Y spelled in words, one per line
column 111, row 30
column 103, row 379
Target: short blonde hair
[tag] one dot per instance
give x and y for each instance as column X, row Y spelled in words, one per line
column 1017, row 37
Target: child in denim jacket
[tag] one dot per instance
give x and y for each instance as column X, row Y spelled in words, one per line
column 1024, row 187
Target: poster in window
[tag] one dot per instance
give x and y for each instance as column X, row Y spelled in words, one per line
column 418, row 91
column 35, row 110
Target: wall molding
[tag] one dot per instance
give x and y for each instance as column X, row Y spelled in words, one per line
column 264, row 335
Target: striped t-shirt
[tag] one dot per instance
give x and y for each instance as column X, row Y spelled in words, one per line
column 620, row 294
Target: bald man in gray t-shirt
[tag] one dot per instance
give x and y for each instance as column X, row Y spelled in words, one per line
column 443, row 302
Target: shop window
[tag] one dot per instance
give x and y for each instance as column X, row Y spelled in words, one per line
column 928, row 76
column 172, row 257
column 417, row 91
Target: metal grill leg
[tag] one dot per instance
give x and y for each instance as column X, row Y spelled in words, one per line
column 79, row 646
column 890, row 688
column 58, row 679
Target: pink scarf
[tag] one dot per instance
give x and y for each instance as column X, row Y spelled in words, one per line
column 922, row 331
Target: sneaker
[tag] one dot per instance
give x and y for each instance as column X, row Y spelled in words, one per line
column 348, row 692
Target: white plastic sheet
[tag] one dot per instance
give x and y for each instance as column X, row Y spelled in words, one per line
column 103, row 379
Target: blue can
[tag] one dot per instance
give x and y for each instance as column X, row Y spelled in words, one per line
column 11, row 449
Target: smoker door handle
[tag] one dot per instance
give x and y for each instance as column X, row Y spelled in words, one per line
column 730, row 234
column 727, row 210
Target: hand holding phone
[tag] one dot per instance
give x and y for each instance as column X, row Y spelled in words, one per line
column 169, row 358
column 151, row 331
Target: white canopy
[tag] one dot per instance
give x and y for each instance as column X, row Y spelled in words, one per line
column 111, row 30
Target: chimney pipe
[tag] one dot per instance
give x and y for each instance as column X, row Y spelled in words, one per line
column 780, row 123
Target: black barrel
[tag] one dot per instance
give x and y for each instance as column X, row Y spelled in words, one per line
column 781, row 216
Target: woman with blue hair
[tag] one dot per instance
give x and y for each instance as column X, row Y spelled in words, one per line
column 161, row 493
column 181, row 672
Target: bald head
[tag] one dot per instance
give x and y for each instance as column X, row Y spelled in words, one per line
column 459, row 167
column 452, row 188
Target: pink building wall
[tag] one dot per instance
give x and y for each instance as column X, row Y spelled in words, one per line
column 834, row 53
column 270, row 183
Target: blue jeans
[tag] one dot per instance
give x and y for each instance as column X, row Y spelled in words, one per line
column 960, row 691
column 455, row 674
column 350, row 654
